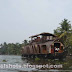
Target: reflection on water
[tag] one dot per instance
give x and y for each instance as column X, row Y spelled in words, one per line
column 12, row 59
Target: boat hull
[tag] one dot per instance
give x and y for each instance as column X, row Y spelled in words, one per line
column 48, row 56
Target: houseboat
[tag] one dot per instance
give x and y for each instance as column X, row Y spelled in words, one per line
column 44, row 45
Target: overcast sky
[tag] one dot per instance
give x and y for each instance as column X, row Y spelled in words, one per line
column 20, row 19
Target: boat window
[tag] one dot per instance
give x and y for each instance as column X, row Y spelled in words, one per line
column 51, row 37
column 61, row 47
column 47, row 37
column 39, row 49
column 52, row 46
column 57, row 47
column 33, row 49
column 44, row 48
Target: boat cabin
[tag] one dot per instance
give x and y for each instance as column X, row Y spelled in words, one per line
column 42, row 37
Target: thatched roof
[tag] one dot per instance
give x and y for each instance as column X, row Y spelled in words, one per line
column 43, row 34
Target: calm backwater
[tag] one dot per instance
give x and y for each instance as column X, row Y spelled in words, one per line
column 13, row 60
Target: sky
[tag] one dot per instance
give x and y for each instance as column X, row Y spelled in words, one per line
column 20, row 19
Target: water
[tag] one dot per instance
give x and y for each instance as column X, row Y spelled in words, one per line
column 13, row 60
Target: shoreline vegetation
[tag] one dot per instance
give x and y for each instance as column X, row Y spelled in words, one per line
column 66, row 39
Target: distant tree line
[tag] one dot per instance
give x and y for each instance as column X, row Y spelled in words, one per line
column 11, row 48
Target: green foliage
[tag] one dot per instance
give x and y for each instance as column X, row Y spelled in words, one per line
column 65, row 34
column 64, row 26
column 25, row 42
column 4, row 61
column 11, row 48
column 57, row 31
column 37, row 59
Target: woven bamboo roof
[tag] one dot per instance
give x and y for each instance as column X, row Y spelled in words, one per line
column 43, row 34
